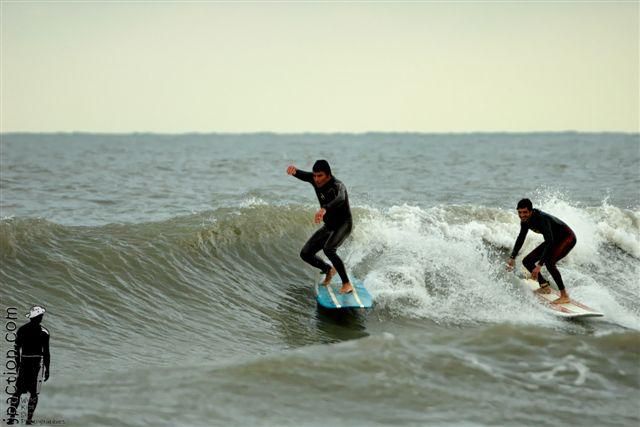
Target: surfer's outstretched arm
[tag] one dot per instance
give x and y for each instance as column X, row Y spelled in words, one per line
column 301, row 175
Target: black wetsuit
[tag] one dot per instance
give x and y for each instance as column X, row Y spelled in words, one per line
column 337, row 226
column 32, row 352
column 559, row 239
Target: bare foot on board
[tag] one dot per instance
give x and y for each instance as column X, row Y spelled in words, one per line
column 544, row 289
column 561, row 300
column 329, row 276
column 346, row 288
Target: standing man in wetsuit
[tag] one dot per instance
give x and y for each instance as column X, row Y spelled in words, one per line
column 336, row 214
column 559, row 239
column 32, row 353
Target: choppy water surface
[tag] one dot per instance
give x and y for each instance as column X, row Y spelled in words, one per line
column 169, row 268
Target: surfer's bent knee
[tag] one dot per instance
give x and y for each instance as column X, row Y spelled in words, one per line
column 330, row 251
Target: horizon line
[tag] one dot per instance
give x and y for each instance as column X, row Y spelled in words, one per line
column 204, row 133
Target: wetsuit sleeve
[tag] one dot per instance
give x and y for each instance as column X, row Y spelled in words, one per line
column 46, row 357
column 340, row 198
column 18, row 345
column 520, row 240
column 549, row 240
column 304, row 176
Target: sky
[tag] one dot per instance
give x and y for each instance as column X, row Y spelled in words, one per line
column 289, row 67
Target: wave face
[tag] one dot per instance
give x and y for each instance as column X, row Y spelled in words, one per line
column 239, row 269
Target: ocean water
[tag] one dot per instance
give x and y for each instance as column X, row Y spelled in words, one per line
column 175, row 295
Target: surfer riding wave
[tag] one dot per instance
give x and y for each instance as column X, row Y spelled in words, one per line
column 559, row 240
column 338, row 223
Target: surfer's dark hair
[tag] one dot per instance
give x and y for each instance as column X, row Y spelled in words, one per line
column 525, row 203
column 322, row 166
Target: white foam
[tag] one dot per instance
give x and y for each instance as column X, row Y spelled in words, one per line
column 596, row 226
column 447, row 262
column 620, row 227
column 424, row 266
column 252, row 202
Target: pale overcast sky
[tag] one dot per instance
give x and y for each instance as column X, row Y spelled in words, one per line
column 319, row 66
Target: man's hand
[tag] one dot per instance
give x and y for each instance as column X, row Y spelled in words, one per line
column 320, row 215
column 510, row 264
column 46, row 374
column 535, row 272
column 291, row 170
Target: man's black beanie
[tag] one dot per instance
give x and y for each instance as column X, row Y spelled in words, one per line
column 322, row 166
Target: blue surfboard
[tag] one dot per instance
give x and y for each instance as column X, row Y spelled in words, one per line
column 330, row 297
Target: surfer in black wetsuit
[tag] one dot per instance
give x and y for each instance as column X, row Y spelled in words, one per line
column 32, row 354
column 559, row 239
column 336, row 214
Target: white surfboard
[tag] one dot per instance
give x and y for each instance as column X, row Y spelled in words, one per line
column 571, row 309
